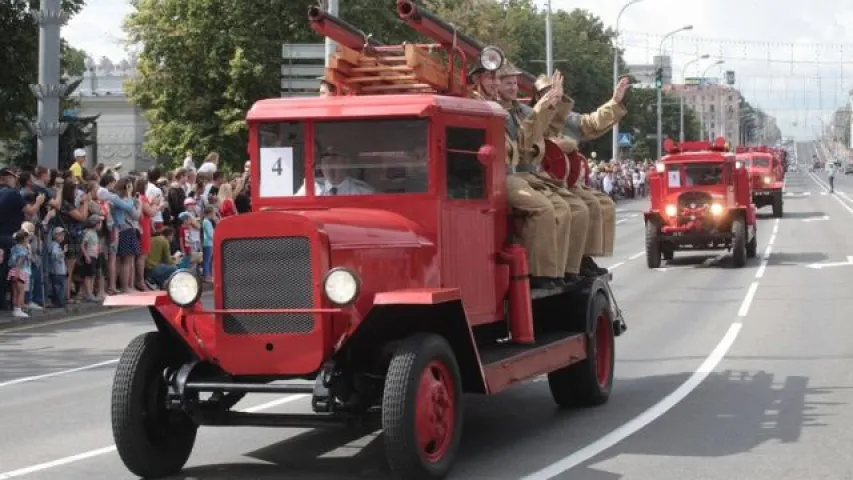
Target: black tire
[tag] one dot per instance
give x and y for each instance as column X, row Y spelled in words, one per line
column 653, row 255
column 667, row 251
column 582, row 384
column 739, row 242
column 152, row 441
column 777, row 205
column 421, row 355
column 752, row 246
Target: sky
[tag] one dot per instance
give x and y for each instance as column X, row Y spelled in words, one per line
column 786, row 54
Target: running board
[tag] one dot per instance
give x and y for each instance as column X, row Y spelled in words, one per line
column 248, row 387
column 287, row 420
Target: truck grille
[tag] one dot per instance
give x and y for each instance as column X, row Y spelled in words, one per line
column 267, row 273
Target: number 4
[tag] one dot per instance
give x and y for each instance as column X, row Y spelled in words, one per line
column 277, row 167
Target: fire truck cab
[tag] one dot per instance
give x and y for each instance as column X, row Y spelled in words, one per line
column 766, row 176
column 378, row 264
column 700, row 200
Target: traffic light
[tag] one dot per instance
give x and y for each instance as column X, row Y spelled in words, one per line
column 659, row 77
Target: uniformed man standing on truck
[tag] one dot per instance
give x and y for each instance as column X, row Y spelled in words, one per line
column 579, row 213
column 545, row 229
column 568, row 134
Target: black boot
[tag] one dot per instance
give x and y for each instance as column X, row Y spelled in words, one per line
column 572, row 279
column 591, row 269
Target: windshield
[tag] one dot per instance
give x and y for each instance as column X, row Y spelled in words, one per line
column 761, row 162
column 694, row 174
column 360, row 157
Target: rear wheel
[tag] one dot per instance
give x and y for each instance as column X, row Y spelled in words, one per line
column 151, row 440
column 588, row 383
column 422, row 408
column 667, row 250
column 739, row 242
column 653, row 254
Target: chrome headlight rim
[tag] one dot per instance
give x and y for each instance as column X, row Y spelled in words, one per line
column 177, row 274
column 486, row 57
column 352, row 275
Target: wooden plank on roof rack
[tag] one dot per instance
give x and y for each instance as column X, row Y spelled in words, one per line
column 381, row 78
column 385, row 88
column 427, row 67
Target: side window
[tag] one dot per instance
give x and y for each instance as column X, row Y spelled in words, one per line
column 466, row 176
column 282, row 158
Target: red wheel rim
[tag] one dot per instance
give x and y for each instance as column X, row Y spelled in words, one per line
column 435, row 414
column 603, row 350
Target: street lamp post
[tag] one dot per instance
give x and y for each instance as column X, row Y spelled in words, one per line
column 332, row 9
column 615, row 148
column 683, row 80
column 660, row 89
column 702, row 116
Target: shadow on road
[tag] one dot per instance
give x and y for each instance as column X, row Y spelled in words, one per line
column 732, row 412
column 797, row 259
column 803, row 215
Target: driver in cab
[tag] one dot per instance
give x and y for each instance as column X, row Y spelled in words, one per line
column 336, row 179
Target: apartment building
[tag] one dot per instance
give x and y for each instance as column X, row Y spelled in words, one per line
column 717, row 106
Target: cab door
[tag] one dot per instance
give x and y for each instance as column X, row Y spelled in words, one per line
column 468, row 221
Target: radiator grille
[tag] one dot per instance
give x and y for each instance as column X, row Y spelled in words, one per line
column 266, row 273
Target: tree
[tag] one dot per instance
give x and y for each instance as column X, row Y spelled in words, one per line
column 19, row 55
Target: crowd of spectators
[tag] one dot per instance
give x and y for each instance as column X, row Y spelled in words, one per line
column 620, row 179
column 76, row 235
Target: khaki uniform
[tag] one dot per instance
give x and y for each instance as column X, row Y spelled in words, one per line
column 545, row 216
column 579, row 214
column 584, row 127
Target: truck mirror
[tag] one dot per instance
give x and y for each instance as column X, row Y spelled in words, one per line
column 487, row 154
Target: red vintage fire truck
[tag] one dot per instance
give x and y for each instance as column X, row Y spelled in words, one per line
column 700, row 200
column 766, row 175
column 378, row 264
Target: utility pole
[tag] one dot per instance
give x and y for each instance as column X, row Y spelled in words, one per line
column 659, row 137
column 683, row 80
column 615, row 146
column 549, row 41
column 50, row 17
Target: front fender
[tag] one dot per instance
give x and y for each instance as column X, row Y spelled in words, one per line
column 653, row 216
column 400, row 313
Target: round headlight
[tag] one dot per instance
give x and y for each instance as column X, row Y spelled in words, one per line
column 341, row 286
column 183, row 288
column 660, row 167
column 670, row 210
column 492, row 58
column 767, row 179
column 716, row 209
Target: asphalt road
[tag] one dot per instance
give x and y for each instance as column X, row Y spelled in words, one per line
column 723, row 374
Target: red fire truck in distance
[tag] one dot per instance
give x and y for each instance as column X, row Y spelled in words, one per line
column 766, row 175
column 393, row 293
column 700, row 200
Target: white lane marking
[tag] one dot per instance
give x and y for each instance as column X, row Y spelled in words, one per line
column 616, row 265
column 763, row 266
column 648, row 416
column 57, row 374
column 772, row 239
column 747, row 300
column 775, row 228
column 636, row 256
column 105, row 450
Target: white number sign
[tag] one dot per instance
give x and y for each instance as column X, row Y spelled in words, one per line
column 276, row 172
column 674, row 178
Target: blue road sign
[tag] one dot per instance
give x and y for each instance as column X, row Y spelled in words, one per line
column 625, row 140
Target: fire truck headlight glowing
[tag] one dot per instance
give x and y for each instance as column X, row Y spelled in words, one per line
column 716, row 209
column 492, row 58
column 767, row 179
column 341, row 286
column 183, row 288
column 738, row 164
column 670, row 210
column 660, row 167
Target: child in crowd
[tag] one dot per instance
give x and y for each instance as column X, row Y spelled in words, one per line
column 20, row 270
column 207, row 242
column 36, row 249
column 189, row 238
column 90, row 249
column 57, row 268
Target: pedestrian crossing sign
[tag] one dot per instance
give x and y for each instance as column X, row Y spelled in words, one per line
column 625, row 140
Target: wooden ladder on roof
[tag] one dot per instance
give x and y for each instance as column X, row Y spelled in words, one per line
column 384, row 70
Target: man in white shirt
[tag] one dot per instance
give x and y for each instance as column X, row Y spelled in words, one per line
column 336, row 180
column 210, row 164
column 607, row 184
column 830, row 170
column 155, row 196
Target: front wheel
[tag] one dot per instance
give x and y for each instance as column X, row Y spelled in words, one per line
column 752, row 246
column 739, row 242
column 588, row 383
column 422, row 408
column 653, row 254
column 152, row 441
